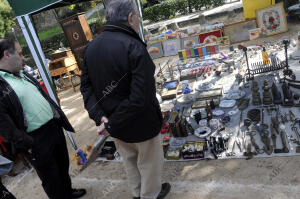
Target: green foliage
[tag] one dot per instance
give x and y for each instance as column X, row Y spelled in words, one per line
column 170, row 8
column 50, row 33
column 181, row 6
column 67, row 11
column 152, row 13
column 216, row 3
column 7, row 19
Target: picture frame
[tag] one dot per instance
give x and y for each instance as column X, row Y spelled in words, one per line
column 210, row 37
column 272, row 20
column 154, row 39
column 171, row 47
column 223, row 41
column 254, row 33
column 171, row 36
column 182, row 33
column 210, row 28
column 239, row 32
column 189, row 42
column 193, row 30
column 155, row 50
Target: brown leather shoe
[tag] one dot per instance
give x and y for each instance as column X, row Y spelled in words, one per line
column 165, row 189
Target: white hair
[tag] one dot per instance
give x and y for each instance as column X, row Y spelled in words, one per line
column 118, row 10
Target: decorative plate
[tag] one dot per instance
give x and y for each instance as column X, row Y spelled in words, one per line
column 234, row 95
column 231, row 113
column 218, row 112
column 205, row 87
column 227, row 103
column 202, row 132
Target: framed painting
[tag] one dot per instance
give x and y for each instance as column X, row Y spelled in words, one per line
column 182, row 33
column 154, row 39
column 223, row 41
column 155, row 50
column 189, row 42
column 254, row 33
column 193, row 30
column 239, row 32
column 171, row 47
column 210, row 37
column 171, row 36
column 272, row 20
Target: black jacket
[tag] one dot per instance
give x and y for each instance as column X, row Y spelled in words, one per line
column 118, row 82
column 13, row 122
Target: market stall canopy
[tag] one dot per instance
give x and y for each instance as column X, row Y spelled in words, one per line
column 34, row 6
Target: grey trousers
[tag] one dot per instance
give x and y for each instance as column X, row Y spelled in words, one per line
column 143, row 164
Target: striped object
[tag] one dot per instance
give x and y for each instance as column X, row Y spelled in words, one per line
column 180, row 55
column 192, row 52
column 184, row 55
column 204, row 51
column 198, row 52
column 188, row 53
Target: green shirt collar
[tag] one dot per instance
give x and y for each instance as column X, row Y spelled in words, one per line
column 8, row 73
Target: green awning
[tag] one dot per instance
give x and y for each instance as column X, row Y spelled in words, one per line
column 24, row 7
column 27, row 7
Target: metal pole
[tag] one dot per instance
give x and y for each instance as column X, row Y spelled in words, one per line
column 248, row 68
column 138, row 3
column 34, row 45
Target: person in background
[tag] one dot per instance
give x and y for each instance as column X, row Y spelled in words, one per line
column 33, row 123
column 119, row 93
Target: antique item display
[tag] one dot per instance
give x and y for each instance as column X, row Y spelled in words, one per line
column 223, row 41
column 210, row 37
column 173, row 154
column 78, row 34
column 239, row 32
column 287, row 95
column 267, row 98
column 171, row 47
column 215, row 93
column 218, row 112
column 171, row 85
column 171, row 36
column 254, row 115
column 189, row 42
column 227, row 103
column 155, row 50
column 193, row 150
column 202, row 103
column 254, row 33
column 256, row 100
column 168, row 94
column 64, row 65
column 214, row 124
column 276, row 94
column 272, row 20
column 235, row 94
column 196, row 52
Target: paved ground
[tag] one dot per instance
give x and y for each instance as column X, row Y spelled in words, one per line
column 264, row 178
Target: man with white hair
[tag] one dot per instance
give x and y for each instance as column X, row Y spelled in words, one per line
column 118, row 89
